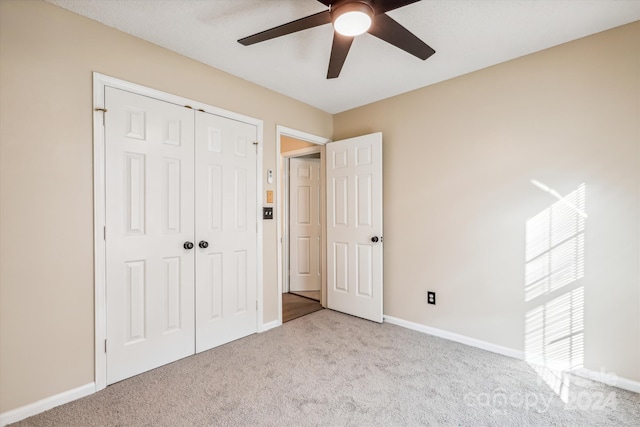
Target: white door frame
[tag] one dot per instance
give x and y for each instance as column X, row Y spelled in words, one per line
column 281, row 204
column 100, row 81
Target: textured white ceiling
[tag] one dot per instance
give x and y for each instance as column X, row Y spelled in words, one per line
column 467, row 35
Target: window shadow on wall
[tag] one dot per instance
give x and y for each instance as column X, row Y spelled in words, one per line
column 553, row 289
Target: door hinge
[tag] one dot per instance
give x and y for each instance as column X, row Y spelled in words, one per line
column 103, row 111
column 105, row 346
column 104, row 233
column 256, row 304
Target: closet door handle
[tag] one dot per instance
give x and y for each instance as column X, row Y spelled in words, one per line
column 203, row 244
column 188, row 245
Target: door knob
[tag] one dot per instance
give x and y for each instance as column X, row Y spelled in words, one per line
column 188, row 245
column 203, row 244
column 374, row 239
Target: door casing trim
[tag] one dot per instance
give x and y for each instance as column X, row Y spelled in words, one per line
column 280, row 211
column 100, row 81
column 286, row 194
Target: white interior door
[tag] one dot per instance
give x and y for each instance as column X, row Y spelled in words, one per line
column 149, row 217
column 226, row 219
column 354, row 226
column 305, row 225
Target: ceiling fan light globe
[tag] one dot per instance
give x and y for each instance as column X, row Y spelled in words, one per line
column 352, row 19
column 352, row 23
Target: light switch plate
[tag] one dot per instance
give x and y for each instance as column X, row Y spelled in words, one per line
column 267, row 213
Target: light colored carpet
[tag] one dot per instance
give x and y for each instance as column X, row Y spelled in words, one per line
column 331, row 369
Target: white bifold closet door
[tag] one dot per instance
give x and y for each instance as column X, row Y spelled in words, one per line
column 174, row 177
column 226, row 219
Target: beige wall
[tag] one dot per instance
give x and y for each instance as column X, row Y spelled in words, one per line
column 288, row 143
column 458, row 160
column 47, row 56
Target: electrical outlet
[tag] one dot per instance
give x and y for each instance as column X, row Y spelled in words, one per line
column 431, row 297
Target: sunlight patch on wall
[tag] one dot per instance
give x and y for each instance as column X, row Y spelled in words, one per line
column 554, row 322
column 555, row 332
column 555, row 245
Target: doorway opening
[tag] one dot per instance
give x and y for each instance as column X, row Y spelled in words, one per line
column 302, row 191
column 301, row 225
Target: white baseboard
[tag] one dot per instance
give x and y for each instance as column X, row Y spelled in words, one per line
column 609, row 379
column 266, row 326
column 45, row 404
column 463, row 339
column 40, row 406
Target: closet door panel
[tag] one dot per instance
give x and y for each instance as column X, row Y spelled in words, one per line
column 149, row 216
column 226, row 230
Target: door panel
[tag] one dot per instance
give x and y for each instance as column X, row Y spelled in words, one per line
column 305, row 225
column 149, row 216
column 226, row 206
column 354, row 213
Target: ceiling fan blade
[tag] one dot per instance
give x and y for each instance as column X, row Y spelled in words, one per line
column 387, row 5
column 311, row 21
column 385, row 28
column 327, row 2
column 339, row 51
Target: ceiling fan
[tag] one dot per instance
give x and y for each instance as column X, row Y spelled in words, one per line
column 351, row 18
